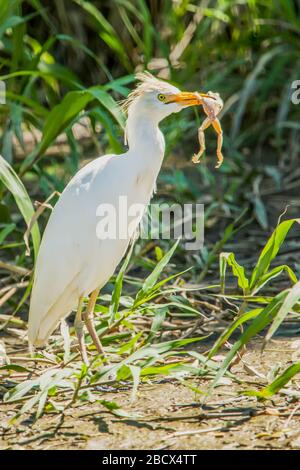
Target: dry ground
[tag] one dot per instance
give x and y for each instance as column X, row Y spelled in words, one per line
column 168, row 415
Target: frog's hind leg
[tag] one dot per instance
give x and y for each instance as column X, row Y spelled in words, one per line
column 206, row 123
column 217, row 126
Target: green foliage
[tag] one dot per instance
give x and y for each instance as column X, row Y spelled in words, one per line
column 13, row 183
column 261, row 274
column 277, row 308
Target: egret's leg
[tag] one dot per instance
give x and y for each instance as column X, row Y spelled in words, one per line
column 218, row 129
column 79, row 324
column 88, row 318
column 206, row 123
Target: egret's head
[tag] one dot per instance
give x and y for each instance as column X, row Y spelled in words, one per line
column 158, row 99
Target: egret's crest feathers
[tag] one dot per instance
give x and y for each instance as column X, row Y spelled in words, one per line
column 147, row 83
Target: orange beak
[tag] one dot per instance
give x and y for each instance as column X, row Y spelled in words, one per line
column 186, row 98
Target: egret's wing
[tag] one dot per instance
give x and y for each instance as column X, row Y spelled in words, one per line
column 63, row 252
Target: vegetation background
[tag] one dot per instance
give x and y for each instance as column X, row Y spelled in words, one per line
column 66, row 64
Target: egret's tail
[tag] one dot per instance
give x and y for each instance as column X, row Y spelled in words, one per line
column 43, row 320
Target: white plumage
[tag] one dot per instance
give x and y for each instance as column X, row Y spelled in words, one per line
column 73, row 261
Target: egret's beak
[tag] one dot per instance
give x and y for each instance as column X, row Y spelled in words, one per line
column 186, row 98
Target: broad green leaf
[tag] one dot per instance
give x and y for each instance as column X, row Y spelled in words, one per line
column 15, row 368
column 149, row 351
column 108, row 103
column 237, row 270
column 20, row 390
column 270, row 251
column 65, row 112
column 273, row 274
column 13, row 183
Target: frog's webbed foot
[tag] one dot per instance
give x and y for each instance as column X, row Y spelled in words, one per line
column 220, row 159
column 206, row 123
column 217, row 126
column 196, row 157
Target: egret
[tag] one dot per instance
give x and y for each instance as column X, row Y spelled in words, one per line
column 74, row 260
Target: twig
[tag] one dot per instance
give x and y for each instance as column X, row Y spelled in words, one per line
column 14, row 269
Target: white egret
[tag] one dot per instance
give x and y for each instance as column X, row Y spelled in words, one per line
column 74, row 260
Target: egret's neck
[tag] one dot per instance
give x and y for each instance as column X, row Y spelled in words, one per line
column 144, row 137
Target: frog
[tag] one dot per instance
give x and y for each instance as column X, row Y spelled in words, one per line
column 212, row 106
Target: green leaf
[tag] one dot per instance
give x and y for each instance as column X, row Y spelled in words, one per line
column 115, row 298
column 152, row 278
column 107, row 102
column 159, row 318
column 106, row 31
column 65, row 112
column 261, row 213
column 237, row 270
column 273, row 274
column 15, row 368
column 250, row 85
column 287, row 306
column 228, row 332
column 13, row 21
column 116, row 410
column 6, row 231
column 258, row 324
column 277, row 384
column 20, row 390
column 149, row 351
column 13, row 183
column 270, row 250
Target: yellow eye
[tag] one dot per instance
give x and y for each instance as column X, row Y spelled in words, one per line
column 161, row 97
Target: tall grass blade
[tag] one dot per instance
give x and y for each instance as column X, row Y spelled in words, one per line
column 277, row 384
column 291, row 299
column 13, row 183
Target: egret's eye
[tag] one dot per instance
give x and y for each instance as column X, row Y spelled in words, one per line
column 161, row 97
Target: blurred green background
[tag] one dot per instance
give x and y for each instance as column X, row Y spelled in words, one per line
column 67, row 62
